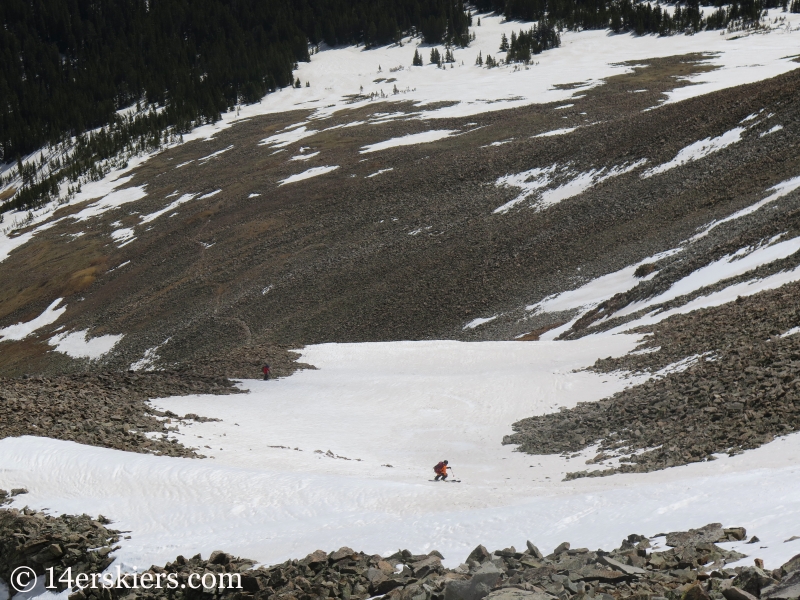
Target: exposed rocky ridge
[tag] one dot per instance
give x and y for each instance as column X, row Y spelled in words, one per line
column 104, row 409
column 692, row 568
column 742, row 391
column 40, row 541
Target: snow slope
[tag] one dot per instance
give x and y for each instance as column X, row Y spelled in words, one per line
column 267, row 493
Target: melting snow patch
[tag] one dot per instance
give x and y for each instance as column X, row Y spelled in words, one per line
column 478, row 322
column 792, row 331
column 563, row 106
column 313, row 172
column 149, row 359
column 110, row 201
column 283, row 139
column 563, row 131
column 22, row 330
column 254, row 195
column 209, row 194
column 778, row 191
column 683, row 364
column 379, row 172
column 205, row 159
column 542, row 177
column 173, row 205
column 122, row 235
column 78, row 345
column 527, row 181
column 409, row 140
column 304, row 156
column 266, row 290
column 732, row 265
column 773, row 130
column 698, row 150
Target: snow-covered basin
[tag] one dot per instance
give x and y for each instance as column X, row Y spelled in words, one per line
column 405, row 404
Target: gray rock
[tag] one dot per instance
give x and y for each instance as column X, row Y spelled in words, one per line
column 752, row 580
column 793, row 564
column 787, row 589
column 562, row 547
column 518, row 594
column 712, row 532
column 618, row 566
column 478, row 587
column 534, row 551
column 480, row 554
column 734, row 593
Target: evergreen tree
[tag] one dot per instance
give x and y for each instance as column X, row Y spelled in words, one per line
column 417, row 60
column 479, row 60
column 503, row 43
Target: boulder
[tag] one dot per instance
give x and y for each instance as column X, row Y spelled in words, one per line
column 735, row 593
column 752, row 579
column 787, row 589
column 478, row 587
column 712, row 532
column 480, row 554
column 518, row 594
column 618, row 566
column 695, row 592
column 562, row 547
column 534, row 551
column 793, row 564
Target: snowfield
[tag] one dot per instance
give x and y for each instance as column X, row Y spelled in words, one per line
column 304, row 463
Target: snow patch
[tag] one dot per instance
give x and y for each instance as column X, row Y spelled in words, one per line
column 698, row 150
column 479, row 321
column 20, row 331
column 313, row 172
column 172, row 206
column 283, row 139
column 772, row 130
column 409, row 140
column 205, row 159
column 376, row 173
column 305, row 156
column 778, row 191
column 562, row 131
column 78, row 345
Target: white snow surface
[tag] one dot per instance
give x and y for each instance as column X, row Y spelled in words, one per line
column 307, row 174
column 409, row 140
column 78, row 344
column 409, row 405
column 22, row 330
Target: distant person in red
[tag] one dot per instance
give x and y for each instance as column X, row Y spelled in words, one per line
column 441, row 471
column 265, row 370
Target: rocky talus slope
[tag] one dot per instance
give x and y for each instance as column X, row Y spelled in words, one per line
column 34, row 539
column 740, row 390
column 104, row 409
column 692, row 567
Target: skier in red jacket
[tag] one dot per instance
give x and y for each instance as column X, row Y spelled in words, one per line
column 265, row 370
column 441, row 471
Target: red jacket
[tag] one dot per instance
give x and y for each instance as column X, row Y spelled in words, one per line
column 265, row 369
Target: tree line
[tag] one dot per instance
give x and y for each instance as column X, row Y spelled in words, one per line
column 68, row 66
